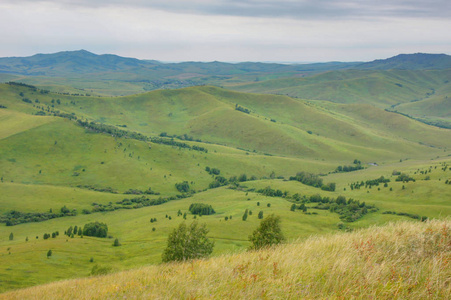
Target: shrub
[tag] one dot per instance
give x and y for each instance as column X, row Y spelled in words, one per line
column 116, row 243
column 267, row 234
column 186, row 243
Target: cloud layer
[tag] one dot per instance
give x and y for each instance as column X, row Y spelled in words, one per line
column 265, row 30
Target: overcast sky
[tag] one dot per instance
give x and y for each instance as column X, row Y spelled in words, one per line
column 228, row 30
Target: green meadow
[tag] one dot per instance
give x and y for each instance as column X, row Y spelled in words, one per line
column 48, row 161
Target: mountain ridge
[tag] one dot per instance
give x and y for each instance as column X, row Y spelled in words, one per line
column 84, row 62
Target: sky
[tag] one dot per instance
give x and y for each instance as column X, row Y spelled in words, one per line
column 227, row 30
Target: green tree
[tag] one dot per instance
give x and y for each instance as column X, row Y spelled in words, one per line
column 244, row 218
column 11, row 236
column 49, row 253
column 260, row 215
column 293, row 207
column 186, row 243
column 116, row 243
column 267, row 234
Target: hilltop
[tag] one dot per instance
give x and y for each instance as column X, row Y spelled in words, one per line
column 402, row 260
column 416, row 61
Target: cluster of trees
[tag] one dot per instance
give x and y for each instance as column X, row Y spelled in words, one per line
column 313, row 180
column 96, row 229
column 139, row 192
column 268, row 191
column 201, row 209
column 221, row 181
column 53, row 235
column 2, row 106
column 246, row 213
column 182, row 187
column 242, row 109
column 133, row 203
column 72, row 231
column 22, row 85
column 212, row 171
column 15, row 217
column 413, row 216
column 404, row 178
column 171, row 142
column 70, row 116
column 370, row 183
column 98, row 189
column 341, row 169
column 349, row 210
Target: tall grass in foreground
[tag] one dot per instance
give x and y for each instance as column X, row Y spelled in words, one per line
column 400, row 260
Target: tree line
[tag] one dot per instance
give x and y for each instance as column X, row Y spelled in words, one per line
column 15, row 217
column 313, row 180
column 116, row 132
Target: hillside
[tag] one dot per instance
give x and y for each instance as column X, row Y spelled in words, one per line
column 68, row 160
column 416, row 61
column 402, row 260
column 275, row 125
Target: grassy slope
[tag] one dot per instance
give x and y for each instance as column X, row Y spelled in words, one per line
column 379, row 88
column 208, row 113
column 404, row 260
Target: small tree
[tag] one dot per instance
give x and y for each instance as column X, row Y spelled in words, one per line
column 49, row 253
column 260, row 215
column 293, row 207
column 267, row 234
column 244, row 218
column 11, row 236
column 116, row 243
column 186, row 243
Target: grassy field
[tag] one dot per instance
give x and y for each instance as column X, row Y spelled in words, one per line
column 396, row 261
column 48, row 162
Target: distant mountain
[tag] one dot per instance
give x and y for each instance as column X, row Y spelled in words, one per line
column 68, row 63
column 62, row 63
column 417, row 61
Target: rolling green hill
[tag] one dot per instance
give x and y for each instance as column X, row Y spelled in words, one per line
column 100, row 155
column 422, row 94
column 276, row 125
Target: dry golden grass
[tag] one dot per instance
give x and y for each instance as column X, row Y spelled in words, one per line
column 396, row 261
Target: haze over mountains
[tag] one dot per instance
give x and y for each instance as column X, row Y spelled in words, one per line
column 84, row 62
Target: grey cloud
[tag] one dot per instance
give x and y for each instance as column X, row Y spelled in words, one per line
column 295, row 9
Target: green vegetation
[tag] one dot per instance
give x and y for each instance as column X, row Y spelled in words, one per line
column 201, row 209
column 267, row 234
column 408, row 259
column 95, row 229
column 186, row 243
column 107, row 151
